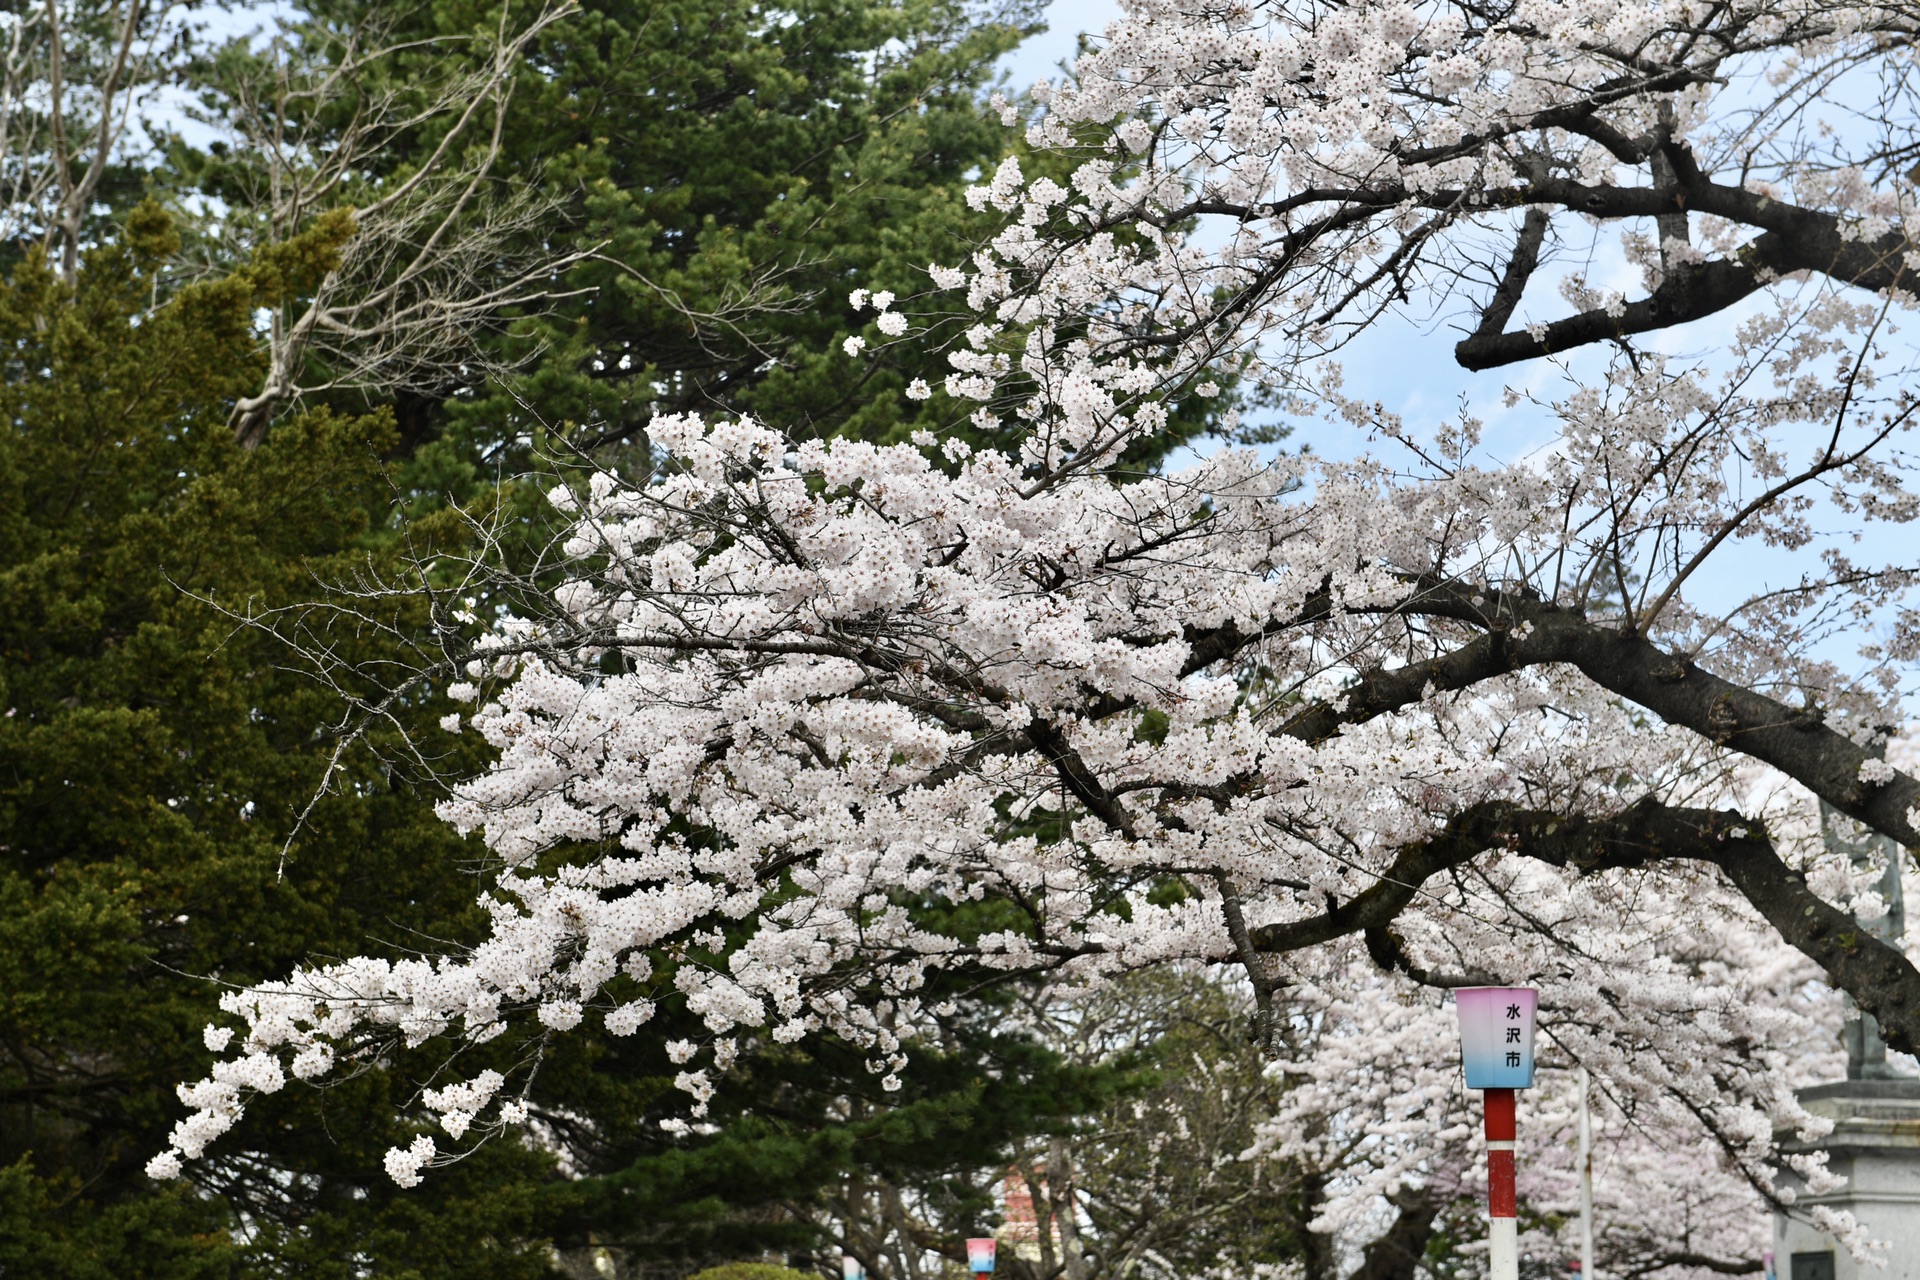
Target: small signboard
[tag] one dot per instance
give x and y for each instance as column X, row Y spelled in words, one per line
column 1496, row 1035
column 980, row 1251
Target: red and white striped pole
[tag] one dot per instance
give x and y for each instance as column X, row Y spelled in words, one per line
column 1503, row 1242
column 1496, row 1041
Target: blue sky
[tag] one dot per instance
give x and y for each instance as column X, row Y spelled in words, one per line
column 1066, row 19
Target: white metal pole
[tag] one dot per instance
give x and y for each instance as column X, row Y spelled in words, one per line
column 1503, row 1248
column 1586, row 1183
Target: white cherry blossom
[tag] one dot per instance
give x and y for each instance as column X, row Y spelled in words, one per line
column 1366, row 728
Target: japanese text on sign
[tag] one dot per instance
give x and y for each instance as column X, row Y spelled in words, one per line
column 1496, row 1035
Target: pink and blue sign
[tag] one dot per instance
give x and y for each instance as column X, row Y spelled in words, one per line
column 1496, row 1035
column 980, row 1255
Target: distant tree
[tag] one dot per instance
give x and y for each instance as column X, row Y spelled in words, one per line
column 398, row 137
column 1156, row 1185
column 749, row 1271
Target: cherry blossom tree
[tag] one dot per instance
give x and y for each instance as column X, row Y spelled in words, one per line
column 1368, row 727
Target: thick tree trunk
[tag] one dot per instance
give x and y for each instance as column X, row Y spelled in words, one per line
column 1397, row 1254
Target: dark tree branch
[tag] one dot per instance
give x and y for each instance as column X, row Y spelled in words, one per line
column 1077, row 778
column 1691, row 292
column 1793, row 740
column 1878, row 976
column 1706, row 1262
column 1513, row 281
column 1793, row 239
column 1521, row 631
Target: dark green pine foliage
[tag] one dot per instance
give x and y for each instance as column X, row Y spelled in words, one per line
column 742, row 168
column 795, row 1125
column 736, row 171
column 152, row 757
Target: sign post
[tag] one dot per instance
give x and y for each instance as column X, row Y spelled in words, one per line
column 1496, row 1042
column 1586, row 1180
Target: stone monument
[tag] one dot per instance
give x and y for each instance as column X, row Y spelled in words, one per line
column 1875, row 1143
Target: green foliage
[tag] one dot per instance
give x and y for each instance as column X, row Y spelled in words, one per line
column 155, row 756
column 743, row 172
column 799, row 1127
column 750, row 1271
column 172, row 1233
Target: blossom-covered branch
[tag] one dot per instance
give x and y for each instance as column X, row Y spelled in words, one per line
column 1365, row 727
